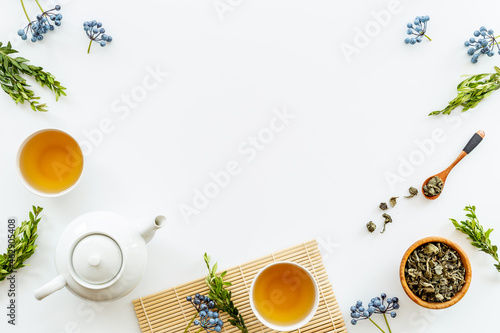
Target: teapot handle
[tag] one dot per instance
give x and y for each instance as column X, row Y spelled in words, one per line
column 58, row 283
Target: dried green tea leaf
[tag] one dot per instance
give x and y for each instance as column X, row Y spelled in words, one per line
column 392, row 201
column 433, row 187
column 388, row 219
column 371, row 226
column 383, row 206
column 413, row 192
column 431, row 249
column 435, row 272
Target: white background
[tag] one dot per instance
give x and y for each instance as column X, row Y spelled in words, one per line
column 357, row 119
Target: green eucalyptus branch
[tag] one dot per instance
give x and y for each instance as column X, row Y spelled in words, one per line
column 475, row 232
column 23, row 245
column 221, row 296
column 473, row 90
column 15, row 85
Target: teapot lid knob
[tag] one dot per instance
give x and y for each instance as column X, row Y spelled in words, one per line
column 97, row 259
column 94, row 260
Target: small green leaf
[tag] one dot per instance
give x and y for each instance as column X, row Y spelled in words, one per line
column 222, row 296
column 24, row 240
column 10, row 70
column 475, row 232
column 471, row 91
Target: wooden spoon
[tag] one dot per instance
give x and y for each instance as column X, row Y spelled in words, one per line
column 473, row 142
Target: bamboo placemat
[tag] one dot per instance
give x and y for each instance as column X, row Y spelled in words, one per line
column 169, row 312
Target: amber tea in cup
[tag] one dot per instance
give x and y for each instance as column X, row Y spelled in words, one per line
column 284, row 296
column 50, row 162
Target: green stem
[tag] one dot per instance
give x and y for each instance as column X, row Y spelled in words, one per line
column 195, row 315
column 43, row 11
column 25, row 13
column 428, row 37
column 376, row 325
column 389, row 327
column 90, row 45
column 198, row 331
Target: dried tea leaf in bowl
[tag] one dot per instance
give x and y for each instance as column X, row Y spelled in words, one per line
column 435, row 272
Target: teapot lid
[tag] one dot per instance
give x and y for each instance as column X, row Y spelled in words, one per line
column 97, row 259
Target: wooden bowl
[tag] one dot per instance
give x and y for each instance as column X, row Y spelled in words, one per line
column 465, row 261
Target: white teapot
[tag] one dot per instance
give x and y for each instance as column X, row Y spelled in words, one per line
column 100, row 256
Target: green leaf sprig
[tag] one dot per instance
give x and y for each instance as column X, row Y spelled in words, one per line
column 15, row 85
column 472, row 90
column 23, row 247
column 476, row 233
column 221, row 296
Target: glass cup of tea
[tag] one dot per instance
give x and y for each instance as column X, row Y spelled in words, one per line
column 50, row 163
column 284, row 296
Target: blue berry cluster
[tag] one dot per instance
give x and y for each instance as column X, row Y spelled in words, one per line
column 485, row 44
column 418, row 28
column 41, row 25
column 96, row 33
column 376, row 305
column 209, row 319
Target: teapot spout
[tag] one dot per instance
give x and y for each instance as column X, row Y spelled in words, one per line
column 149, row 230
column 58, row 283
